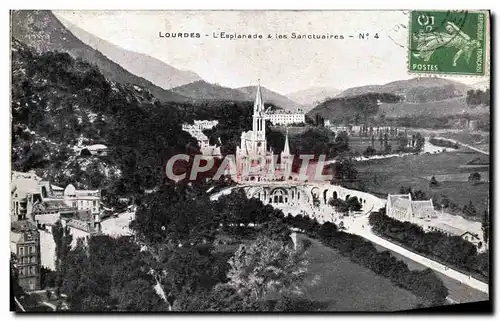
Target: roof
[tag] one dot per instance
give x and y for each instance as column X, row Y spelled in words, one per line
column 422, row 208
column 26, row 175
column 81, row 225
column 96, row 147
column 450, row 229
column 400, row 201
column 24, row 186
column 22, row 226
column 55, row 204
column 47, row 219
column 84, row 215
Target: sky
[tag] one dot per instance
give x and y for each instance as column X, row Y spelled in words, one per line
column 283, row 65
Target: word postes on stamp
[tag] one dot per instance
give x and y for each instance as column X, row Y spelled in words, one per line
column 447, row 42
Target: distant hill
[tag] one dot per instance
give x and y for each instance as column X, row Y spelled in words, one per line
column 349, row 110
column 59, row 103
column 270, row 97
column 202, row 90
column 311, row 97
column 418, row 90
column 152, row 69
column 448, row 107
column 43, row 32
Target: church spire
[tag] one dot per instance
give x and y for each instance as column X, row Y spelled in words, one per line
column 258, row 105
column 286, row 149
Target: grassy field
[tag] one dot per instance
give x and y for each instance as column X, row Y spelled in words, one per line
column 346, row 286
column 388, row 175
column 342, row 285
column 480, row 140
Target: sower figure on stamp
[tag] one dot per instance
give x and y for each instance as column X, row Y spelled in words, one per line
column 429, row 42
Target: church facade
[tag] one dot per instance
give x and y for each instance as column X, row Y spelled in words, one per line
column 255, row 161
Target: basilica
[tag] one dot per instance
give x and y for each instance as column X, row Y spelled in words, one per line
column 255, row 162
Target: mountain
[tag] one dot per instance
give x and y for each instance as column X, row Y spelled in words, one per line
column 416, row 90
column 313, row 96
column 349, row 110
column 447, row 107
column 202, row 90
column 147, row 67
column 59, row 104
column 270, row 97
column 43, row 32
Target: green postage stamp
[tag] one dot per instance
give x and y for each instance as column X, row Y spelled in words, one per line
column 447, row 42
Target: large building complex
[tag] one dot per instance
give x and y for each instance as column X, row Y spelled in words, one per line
column 285, row 118
column 25, row 244
column 253, row 150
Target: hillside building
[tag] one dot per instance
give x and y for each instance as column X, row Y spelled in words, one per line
column 25, row 244
column 196, row 131
column 285, row 118
column 401, row 207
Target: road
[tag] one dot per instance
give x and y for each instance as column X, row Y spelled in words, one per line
column 465, row 145
column 360, row 226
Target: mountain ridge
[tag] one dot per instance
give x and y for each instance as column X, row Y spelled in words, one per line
column 313, row 96
column 156, row 71
column 415, row 89
column 42, row 31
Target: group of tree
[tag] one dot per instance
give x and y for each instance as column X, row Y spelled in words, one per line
column 443, row 143
column 416, row 195
column 452, row 249
column 474, row 178
column 424, row 284
column 354, row 109
column 56, row 100
column 343, row 169
column 478, row 97
column 352, row 204
column 424, row 94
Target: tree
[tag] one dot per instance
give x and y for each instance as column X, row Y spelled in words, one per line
column 485, row 227
column 369, row 151
column 139, row 295
column 339, row 205
column 470, row 210
column 474, row 178
column 353, row 204
column 433, row 182
column 276, row 230
column 327, row 230
column 62, row 239
column 266, row 266
column 75, row 283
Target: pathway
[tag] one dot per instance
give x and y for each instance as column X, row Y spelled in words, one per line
column 360, row 226
column 465, row 145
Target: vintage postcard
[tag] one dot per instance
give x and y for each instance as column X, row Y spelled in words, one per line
column 250, row 161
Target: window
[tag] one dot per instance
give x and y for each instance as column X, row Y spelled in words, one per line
column 21, row 251
column 21, row 271
column 32, row 270
column 32, row 249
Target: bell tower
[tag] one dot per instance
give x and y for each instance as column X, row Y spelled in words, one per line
column 259, row 145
